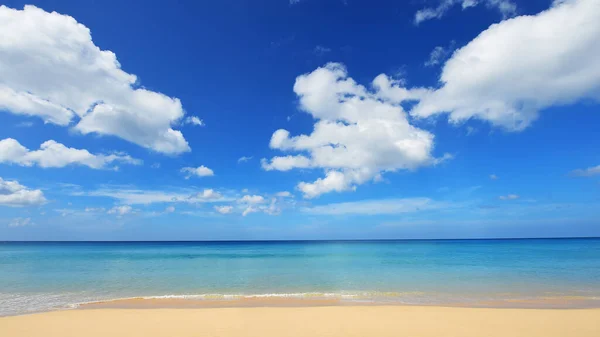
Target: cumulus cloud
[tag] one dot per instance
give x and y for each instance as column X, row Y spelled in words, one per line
column 252, row 199
column 518, row 67
column 588, row 172
column 384, row 206
column 284, row 194
column 509, row 197
column 20, row 222
column 193, row 120
column 208, row 194
column 224, row 209
column 506, row 7
column 170, row 209
column 358, row 133
column 493, row 177
column 52, row 69
column 54, row 154
column 14, row 194
column 201, row 171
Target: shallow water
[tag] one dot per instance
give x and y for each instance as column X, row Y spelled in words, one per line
column 46, row 276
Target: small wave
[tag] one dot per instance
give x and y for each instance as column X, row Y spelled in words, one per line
column 298, row 295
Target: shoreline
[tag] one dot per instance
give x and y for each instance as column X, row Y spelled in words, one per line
column 301, row 300
column 332, row 321
column 269, row 301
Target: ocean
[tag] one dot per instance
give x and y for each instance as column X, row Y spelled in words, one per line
column 42, row 276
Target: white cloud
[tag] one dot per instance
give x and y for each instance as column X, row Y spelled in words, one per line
column 284, row 194
column 193, row 120
column 506, row 7
column 145, row 197
column 588, row 172
column 208, row 194
column 257, row 203
column 509, row 197
column 252, row 199
column 53, row 154
column 52, row 69
column 14, row 194
column 120, row 210
column 384, row 206
column 358, row 134
column 244, row 159
column 271, row 209
column 224, row 209
column 493, row 177
column 285, row 163
column 20, row 222
column 170, row 209
column 250, row 209
column 518, row 67
column 201, row 171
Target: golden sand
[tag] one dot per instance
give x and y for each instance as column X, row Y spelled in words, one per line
column 331, row 321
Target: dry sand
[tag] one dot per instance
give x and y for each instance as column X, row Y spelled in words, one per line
column 331, row 321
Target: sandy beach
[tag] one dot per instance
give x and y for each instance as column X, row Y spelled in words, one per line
column 329, row 321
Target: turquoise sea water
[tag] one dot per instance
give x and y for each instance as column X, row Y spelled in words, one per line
column 46, row 276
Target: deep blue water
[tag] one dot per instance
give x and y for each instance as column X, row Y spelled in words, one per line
column 45, row 276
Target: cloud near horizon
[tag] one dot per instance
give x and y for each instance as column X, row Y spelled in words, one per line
column 13, row 194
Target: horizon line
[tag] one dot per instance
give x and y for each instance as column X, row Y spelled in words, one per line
column 298, row 240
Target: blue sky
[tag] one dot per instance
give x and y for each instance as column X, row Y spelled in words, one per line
column 299, row 120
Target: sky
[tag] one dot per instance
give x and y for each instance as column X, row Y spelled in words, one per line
column 301, row 119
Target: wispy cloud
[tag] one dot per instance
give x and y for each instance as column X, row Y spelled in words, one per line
column 439, row 54
column 381, row 206
column 224, row 209
column 20, row 222
column 321, row 50
column 506, row 7
column 193, row 120
column 587, row 172
column 133, row 196
column 244, row 159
